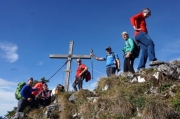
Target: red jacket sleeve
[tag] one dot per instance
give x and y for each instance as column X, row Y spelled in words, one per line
column 134, row 18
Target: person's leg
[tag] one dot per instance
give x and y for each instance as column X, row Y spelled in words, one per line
column 108, row 71
column 21, row 105
column 151, row 51
column 143, row 42
column 130, row 64
column 80, row 82
column 144, row 39
column 144, row 56
column 125, row 65
column 112, row 71
column 74, row 85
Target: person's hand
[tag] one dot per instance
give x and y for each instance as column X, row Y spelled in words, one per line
column 79, row 74
column 137, row 29
column 29, row 99
column 118, row 70
column 128, row 55
column 91, row 54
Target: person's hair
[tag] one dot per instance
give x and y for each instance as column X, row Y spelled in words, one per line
column 45, row 84
column 30, row 79
column 60, row 89
column 79, row 60
column 124, row 32
column 146, row 10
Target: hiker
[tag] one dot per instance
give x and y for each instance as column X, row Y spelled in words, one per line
column 44, row 97
column 112, row 61
column 141, row 36
column 128, row 50
column 59, row 88
column 27, row 98
column 38, row 85
column 81, row 70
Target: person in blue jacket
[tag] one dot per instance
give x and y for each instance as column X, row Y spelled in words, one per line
column 127, row 50
column 112, row 61
column 27, row 99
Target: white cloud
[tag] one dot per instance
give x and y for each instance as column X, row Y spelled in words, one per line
column 7, row 97
column 40, row 63
column 5, row 83
column 9, row 52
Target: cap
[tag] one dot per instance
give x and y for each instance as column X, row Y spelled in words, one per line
column 108, row 48
column 124, row 32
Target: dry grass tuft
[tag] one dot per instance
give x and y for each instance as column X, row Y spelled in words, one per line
column 36, row 114
column 107, row 108
column 68, row 108
column 156, row 110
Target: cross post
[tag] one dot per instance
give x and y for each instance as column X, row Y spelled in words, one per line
column 69, row 57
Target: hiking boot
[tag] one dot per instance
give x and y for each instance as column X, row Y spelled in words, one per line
column 153, row 63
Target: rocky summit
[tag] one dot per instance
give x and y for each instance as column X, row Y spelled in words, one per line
column 152, row 93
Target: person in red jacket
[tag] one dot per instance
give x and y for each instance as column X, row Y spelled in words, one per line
column 39, row 86
column 141, row 36
column 81, row 70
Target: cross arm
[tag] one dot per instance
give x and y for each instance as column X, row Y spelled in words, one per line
column 62, row 56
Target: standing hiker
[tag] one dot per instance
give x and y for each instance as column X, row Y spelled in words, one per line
column 128, row 53
column 141, row 36
column 81, row 70
column 27, row 99
column 112, row 61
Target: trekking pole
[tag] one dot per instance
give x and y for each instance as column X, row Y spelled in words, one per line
column 91, row 51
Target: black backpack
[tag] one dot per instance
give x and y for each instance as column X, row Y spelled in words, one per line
column 136, row 50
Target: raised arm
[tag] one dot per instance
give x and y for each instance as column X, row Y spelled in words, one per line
column 97, row 58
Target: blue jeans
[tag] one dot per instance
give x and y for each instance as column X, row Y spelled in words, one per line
column 147, row 47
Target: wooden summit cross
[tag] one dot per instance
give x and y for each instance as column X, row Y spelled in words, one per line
column 69, row 57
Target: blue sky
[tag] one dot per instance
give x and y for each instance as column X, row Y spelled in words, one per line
column 31, row 30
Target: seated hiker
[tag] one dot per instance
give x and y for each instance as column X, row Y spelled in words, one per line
column 112, row 61
column 38, row 85
column 128, row 50
column 44, row 97
column 59, row 88
column 81, row 70
column 27, row 98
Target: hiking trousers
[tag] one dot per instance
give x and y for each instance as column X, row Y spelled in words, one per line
column 128, row 64
column 23, row 103
column 79, row 82
column 110, row 71
column 147, row 47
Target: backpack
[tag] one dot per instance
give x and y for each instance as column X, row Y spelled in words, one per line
column 18, row 90
column 112, row 53
column 136, row 51
column 87, row 75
